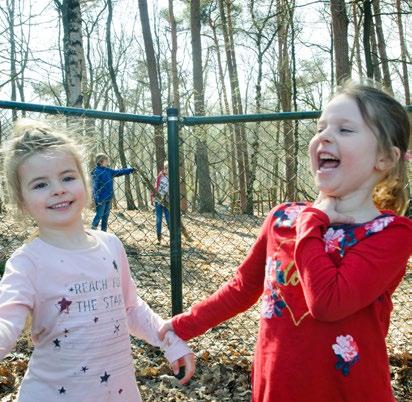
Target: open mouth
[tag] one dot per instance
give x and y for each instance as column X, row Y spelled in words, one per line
column 327, row 161
column 61, row 205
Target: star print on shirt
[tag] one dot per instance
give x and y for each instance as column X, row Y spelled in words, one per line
column 66, row 331
column 120, row 391
column 84, row 369
column 116, row 329
column 96, row 319
column 114, row 265
column 105, row 377
column 56, row 343
column 64, row 305
column 62, row 390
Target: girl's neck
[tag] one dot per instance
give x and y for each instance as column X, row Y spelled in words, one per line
column 359, row 205
column 75, row 238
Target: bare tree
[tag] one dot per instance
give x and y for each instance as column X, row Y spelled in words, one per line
column 340, row 24
column 230, row 145
column 382, row 45
column 402, row 42
column 284, row 93
column 206, row 202
column 120, row 101
column 367, row 32
column 73, row 50
column 176, row 104
column 152, row 70
column 263, row 33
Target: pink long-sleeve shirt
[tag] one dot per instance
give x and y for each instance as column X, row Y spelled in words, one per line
column 326, row 302
column 84, row 305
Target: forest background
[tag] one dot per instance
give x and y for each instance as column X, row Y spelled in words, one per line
column 204, row 57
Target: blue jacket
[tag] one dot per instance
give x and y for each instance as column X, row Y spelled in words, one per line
column 102, row 180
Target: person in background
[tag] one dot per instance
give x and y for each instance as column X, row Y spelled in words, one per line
column 102, row 184
column 161, row 199
column 326, row 270
column 74, row 282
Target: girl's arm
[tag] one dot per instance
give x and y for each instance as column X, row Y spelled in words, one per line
column 369, row 268
column 142, row 321
column 232, row 298
column 16, row 301
column 121, row 172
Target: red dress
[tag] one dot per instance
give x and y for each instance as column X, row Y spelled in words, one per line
column 326, row 302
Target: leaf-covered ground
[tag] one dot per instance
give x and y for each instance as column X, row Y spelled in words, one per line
column 218, row 243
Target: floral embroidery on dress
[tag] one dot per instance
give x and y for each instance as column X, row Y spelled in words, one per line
column 339, row 238
column 272, row 303
column 332, row 239
column 378, row 224
column 347, row 352
column 286, row 217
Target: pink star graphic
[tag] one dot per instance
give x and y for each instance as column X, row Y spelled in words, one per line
column 64, row 305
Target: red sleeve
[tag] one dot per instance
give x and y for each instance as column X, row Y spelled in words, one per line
column 371, row 267
column 233, row 297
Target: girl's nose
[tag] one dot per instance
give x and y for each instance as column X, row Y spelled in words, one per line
column 58, row 189
column 325, row 135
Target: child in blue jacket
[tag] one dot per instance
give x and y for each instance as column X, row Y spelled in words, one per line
column 102, row 180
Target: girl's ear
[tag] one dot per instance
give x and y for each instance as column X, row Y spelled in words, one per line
column 387, row 161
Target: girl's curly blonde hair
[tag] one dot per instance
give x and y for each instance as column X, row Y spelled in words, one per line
column 29, row 138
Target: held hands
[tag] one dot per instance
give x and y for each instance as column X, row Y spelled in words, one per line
column 185, row 365
column 328, row 205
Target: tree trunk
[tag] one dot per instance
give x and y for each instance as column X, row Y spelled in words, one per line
column 402, row 42
column 340, row 24
column 243, row 145
column 234, row 85
column 152, row 70
column 13, row 73
column 374, row 53
column 128, row 193
column 176, row 104
column 206, row 202
column 285, row 91
column 259, row 25
column 367, row 29
column 356, row 46
column 382, row 46
column 234, row 178
column 73, row 51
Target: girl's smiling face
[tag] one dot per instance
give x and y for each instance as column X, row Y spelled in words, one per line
column 344, row 152
column 53, row 190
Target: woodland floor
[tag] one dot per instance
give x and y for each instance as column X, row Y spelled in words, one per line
column 225, row 353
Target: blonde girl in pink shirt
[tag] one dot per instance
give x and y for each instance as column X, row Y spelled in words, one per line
column 74, row 282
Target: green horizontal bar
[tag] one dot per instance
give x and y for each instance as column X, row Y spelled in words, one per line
column 244, row 118
column 73, row 111
column 158, row 120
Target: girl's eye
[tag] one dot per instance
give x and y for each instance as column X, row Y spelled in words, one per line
column 69, row 178
column 39, row 186
column 345, row 130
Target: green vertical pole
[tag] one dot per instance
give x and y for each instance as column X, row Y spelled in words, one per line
column 174, row 194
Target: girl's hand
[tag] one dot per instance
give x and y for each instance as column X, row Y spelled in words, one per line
column 328, row 205
column 167, row 326
column 184, row 366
